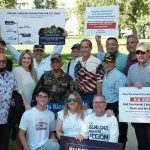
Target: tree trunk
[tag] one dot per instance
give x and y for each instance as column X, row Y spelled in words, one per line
column 134, row 31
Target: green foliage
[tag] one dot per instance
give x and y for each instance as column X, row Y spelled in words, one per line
column 81, row 7
column 133, row 13
column 136, row 11
column 7, row 4
column 45, row 4
column 68, row 11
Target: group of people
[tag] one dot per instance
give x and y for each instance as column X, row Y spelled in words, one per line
column 88, row 87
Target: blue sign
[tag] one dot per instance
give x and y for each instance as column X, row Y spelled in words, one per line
column 51, row 36
column 55, row 107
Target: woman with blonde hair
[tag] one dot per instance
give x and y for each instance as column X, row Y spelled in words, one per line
column 70, row 119
column 26, row 77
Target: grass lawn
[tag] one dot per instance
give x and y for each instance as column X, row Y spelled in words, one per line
column 69, row 42
column 66, row 52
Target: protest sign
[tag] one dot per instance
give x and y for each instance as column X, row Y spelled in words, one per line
column 134, row 104
column 33, row 26
column 69, row 143
column 101, row 21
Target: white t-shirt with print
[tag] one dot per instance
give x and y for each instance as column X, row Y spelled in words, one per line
column 100, row 128
column 71, row 124
column 38, row 125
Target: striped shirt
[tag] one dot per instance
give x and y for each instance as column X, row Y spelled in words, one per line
column 88, row 73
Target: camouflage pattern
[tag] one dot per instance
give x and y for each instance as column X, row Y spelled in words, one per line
column 58, row 87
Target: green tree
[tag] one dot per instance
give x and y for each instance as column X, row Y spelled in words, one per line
column 45, row 3
column 136, row 11
column 132, row 12
column 8, row 3
column 81, row 7
column 68, row 11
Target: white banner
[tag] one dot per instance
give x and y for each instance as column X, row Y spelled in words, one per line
column 29, row 26
column 134, row 104
column 101, row 21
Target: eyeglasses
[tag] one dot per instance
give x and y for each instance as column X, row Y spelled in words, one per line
column 140, row 52
column 102, row 102
column 3, row 62
column 69, row 100
column 43, row 97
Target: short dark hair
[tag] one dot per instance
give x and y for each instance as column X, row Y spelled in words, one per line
column 112, row 38
column 2, row 42
column 133, row 37
column 87, row 40
column 43, row 89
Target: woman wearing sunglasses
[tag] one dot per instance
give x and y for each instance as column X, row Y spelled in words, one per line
column 70, row 119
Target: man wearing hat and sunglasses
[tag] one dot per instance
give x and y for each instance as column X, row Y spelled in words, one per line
column 139, row 76
column 113, row 79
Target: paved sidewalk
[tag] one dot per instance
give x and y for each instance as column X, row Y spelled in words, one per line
column 132, row 142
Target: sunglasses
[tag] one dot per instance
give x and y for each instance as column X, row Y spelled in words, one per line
column 69, row 100
column 140, row 52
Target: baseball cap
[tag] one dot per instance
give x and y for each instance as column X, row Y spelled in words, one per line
column 110, row 57
column 56, row 56
column 77, row 46
column 42, row 47
column 142, row 47
column 2, row 42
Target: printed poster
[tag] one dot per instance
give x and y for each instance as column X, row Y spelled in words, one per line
column 102, row 21
column 134, row 104
column 33, row 26
column 69, row 143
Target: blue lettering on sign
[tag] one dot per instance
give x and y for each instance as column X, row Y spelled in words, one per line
column 103, row 137
column 55, row 107
column 101, row 127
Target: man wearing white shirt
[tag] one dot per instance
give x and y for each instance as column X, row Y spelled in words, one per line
column 75, row 53
column 98, row 126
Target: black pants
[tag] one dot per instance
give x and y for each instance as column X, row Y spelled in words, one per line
column 123, row 126
column 142, row 135
column 4, row 136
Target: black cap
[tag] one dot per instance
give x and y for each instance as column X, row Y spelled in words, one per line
column 56, row 56
column 77, row 46
column 2, row 42
column 42, row 47
column 110, row 57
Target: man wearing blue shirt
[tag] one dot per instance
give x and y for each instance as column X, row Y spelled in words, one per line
column 139, row 76
column 113, row 79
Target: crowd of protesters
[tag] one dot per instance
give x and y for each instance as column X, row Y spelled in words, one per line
column 88, row 88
